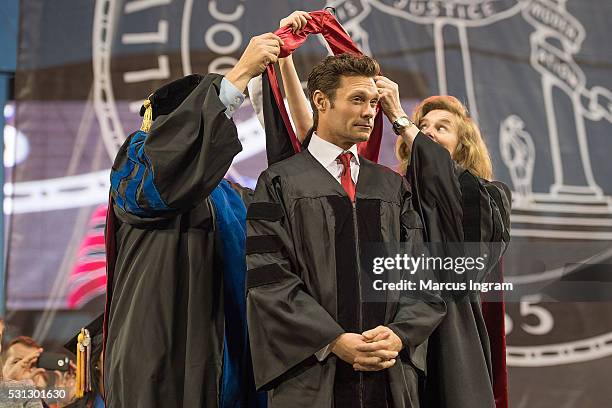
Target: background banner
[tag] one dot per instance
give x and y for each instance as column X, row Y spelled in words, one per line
column 535, row 74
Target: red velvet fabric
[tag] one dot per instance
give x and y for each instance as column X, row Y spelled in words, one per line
column 111, row 257
column 339, row 42
column 494, row 313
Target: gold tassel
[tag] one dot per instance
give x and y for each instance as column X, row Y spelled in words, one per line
column 87, row 343
column 80, row 368
column 83, row 372
column 147, row 120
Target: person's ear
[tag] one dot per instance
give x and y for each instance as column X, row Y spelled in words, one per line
column 320, row 100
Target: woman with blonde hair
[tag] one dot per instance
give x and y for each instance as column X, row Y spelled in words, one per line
column 446, row 161
column 470, row 151
column 444, row 157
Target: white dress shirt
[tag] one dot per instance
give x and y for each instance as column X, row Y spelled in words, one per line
column 327, row 154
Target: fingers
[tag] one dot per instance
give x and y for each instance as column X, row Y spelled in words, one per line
column 375, row 346
column 376, row 357
column 370, row 334
column 376, row 367
column 297, row 20
column 380, row 336
column 369, row 361
column 384, row 83
column 301, row 19
column 383, row 80
column 304, row 20
column 270, row 57
column 383, row 354
column 370, row 347
column 269, row 38
column 37, row 372
column 31, row 358
column 273, row 49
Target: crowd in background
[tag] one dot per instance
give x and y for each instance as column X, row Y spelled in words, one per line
column 21, row 378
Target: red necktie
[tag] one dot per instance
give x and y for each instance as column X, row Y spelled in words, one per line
column 345, row 178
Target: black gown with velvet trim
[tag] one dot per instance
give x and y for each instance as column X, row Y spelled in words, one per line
column 305, row 286
column 457, row 207
column 165, row 314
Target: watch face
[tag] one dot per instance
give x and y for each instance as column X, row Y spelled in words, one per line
column 402, row 122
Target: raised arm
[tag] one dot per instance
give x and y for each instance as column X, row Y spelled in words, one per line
column 192, row 141
column 298, row 103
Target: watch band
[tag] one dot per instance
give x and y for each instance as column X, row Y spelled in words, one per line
column 400, row 124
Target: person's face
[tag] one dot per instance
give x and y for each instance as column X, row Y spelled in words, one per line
column 350, row 118
column 20, row 364
column 440, row 125
column 15, row 354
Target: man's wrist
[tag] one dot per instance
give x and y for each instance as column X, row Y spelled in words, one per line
column 395, row 115
column 239, row 77
column 332, row 345
column 401, row 125
column 397, row 338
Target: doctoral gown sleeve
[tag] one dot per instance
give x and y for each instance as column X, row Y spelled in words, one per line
column 177, row 164
column 455, row 205
column 286, row 324
column 419, row 312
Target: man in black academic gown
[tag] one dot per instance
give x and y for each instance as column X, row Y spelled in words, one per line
column 175, row 232
column 316, row 340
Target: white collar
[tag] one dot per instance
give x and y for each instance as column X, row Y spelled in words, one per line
column 326, row 153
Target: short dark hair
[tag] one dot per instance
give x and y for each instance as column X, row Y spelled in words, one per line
column 327, row 74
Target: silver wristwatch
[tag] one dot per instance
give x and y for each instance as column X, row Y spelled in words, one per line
column 401, row 123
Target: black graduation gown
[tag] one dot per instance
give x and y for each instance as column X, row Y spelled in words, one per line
column 304, row 285
column 165, row 318
column 456, row 206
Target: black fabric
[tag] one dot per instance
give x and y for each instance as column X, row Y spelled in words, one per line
column 278, row 142
column 347, row 381
column 264, row 275
column 165, row 315
column 470, row 202
column 307, row 138
column 263, row 244
column 370, row 231
column 318, row 296
column 167, row 98
column 265, row 211
column 456, row 207
column 500, row 193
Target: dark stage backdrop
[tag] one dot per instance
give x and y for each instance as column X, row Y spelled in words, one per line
column 536, row 75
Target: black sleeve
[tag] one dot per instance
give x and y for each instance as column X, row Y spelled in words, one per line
column 420, row 311
column 181, row 160
column 436, row 193
column 286, row 324
column 455, row 205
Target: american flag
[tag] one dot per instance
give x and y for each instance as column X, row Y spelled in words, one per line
column 88, row 276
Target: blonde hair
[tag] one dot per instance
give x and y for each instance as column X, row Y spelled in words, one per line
column 471, row 152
